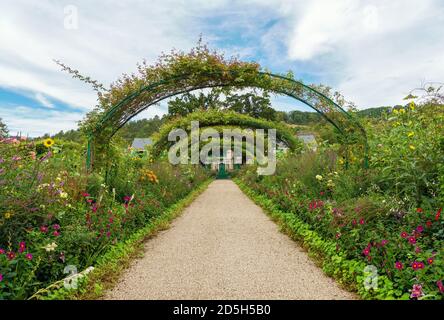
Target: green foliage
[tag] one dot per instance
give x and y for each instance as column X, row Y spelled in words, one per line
column 3, row 129
column 215, row 118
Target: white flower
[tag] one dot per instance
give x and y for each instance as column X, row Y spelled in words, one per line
column 50, row 247
column 319, row 177
column 63, row 195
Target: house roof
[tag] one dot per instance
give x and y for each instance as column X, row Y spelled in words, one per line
column 141, row 143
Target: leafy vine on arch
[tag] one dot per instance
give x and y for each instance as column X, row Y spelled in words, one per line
column 178, row 72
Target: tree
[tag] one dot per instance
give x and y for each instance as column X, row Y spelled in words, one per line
column 3, row 129
column 188, row 103
column 251, row 104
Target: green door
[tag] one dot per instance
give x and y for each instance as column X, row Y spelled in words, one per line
column 222, row 173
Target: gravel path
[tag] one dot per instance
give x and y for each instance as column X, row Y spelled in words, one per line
column 224, row 247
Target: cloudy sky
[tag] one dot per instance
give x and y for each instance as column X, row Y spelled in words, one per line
column 374, row 52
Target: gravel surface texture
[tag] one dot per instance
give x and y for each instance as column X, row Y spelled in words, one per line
column 224, row 246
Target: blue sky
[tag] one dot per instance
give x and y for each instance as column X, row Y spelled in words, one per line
column 374, row 52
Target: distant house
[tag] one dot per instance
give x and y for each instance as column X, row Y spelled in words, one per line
column 140, row 144
column 309, row 140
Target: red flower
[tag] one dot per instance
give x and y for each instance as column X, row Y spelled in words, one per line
column 419, row 210
column 354, row 222
column 430, row 260
column 420, row 229
column 22, row 247
column 44, row 229
column 404, row 234
column 2, row 251
column 438, row 214
column 412, row 240
column 85, row 194
column 429, row 224
column 398, row 265
column 10, row 255
column 415, row 265
column 361, row 221
column 56, row 233
column 421, row 265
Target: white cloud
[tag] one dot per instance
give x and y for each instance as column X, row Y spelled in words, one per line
column 372, row 51
column 44, row 101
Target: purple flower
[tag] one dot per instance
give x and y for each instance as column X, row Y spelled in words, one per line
column 398, row 265
column 1, row 277
column 56, row 227
column 16, row 158
column 420, row 229
column 28, row 256
column 2, row 170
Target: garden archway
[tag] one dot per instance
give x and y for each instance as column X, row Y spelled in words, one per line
column 179, row 73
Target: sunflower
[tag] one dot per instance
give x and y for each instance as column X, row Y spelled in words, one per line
column 48, row 143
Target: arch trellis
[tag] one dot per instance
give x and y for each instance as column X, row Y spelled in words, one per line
column 118, row 114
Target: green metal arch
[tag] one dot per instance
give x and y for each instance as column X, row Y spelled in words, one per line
column 115, row 117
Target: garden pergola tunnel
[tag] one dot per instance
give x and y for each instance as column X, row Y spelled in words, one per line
column 139, row 100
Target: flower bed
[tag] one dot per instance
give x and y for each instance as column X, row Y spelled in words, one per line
column 54, row 217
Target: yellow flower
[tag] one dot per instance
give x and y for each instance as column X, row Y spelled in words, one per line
column 410, row 134
column 412, row 106
column 341, row 161
column 395, row 111
column 412, row 147
column 50, row 247
column 48, row 143
column 8, row 215
column 401, row 110
column 63, row 195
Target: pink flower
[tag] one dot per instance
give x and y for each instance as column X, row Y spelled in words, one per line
column 56, row 227
column 338, row 235
column 440, row 286
column 361, row 221
column 28, row 256
column 417, row 265
column 1, row 277
column 430, row 260
column 44, row 229
column 420, row 229
column 56, row 233
column 404, row 234
column 126, row 198
column 412, row 240
column 354, row 222
column 398, row 265
column 384, row 242
column 366, row 251
column 417, row 250
column 416, row 291
column 2, row 251
column 10, row 255
column 429, row 224
column 85, row 194
column 22, row 247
